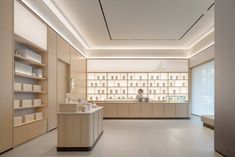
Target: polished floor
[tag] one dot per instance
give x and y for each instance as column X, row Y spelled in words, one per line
column 134, row 138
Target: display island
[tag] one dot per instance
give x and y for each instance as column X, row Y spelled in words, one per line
column 78, row 130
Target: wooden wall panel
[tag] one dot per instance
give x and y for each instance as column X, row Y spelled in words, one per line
column 52, row 61
column 6, row 90
column 6, row 14
column 63, row 50
column 78, row 73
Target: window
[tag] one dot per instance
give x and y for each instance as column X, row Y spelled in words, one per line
column 203, row 89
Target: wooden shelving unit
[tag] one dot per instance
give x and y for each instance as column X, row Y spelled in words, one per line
column 26, row 130
column 169, row 87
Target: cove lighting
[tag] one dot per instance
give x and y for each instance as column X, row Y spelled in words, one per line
column 52, row 26
column 207, row 46
column 52, row 6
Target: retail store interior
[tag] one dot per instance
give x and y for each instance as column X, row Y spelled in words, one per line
column 117, row 78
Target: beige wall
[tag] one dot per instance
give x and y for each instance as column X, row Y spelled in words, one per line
column 6, row 78
column 224, row 77
column 78, row 73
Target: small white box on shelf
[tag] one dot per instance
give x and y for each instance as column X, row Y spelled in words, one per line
column 16, row 103
column 37, row 102
column 26, row 103
column 17, row 86
column 27, row 87
column 38, row 115
column 37, row 88
column 18, row 120
column 28, row 118
column 23, row 68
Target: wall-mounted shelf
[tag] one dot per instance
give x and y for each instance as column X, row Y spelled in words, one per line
column 29, row 122
column 39, row 92
column 29, row 61
column 22, row 108
column 29, row 76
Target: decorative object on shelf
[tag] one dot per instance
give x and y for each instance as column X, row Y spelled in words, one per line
column 131, row 77
column 170, row 83
column 90, row 98
column 177, row 77
column 23, row 68
column 152, row 77
column 37, row 72
column 111, row 91
column 110, row 97
column 183, row 77
column 98, row 77
column 96, row 98
column 157, row 84
column 102, row 91
column 140, row 77
column 151, row 84
column 98, row 91
column 157, row 77
column 183, row 84
column 112, row 77
column 150, row 91
column 131, row 84
column 163, row 91
column 67, row 98
column 91, row 84
column 163, row 84
column 154, row 91
column 37, row 88
column 118, row 84
column 17, row 86
column 103, row 84
column 103, row 77
column 123, row 77
column 143, row 84
column 174, row 91
column 95, row 84
column 171, row 77
column 29, row 54
column 136, row 84
column 123, row 91
column 116, row 77
column 116, row 91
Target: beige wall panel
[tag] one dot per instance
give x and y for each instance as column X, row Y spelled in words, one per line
column 123, row 110
column 52, row 61
column 100, row 121
column 37, row 128
column 158, row 110
column 104, row 108
column 6, row 14
column 6, row 90
column 62, row 82
column 181, row 110
column 112, row 110
column 134, row 110
column 146, row 110
column 96, row 126
column 20, row 135
column 78, row 73
column 169, row 110
column 63, row 50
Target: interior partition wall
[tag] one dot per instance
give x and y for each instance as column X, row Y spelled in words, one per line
column 203, row 89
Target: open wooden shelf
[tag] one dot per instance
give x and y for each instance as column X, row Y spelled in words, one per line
column 21, row 108
column 29, row 61
column 29, row 76
column 28, row 44
column 20, row 91
column 29, row 122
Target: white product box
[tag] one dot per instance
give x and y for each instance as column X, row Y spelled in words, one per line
column 28, row 118
column 26, row 103
column 18, row 120
column 31, row 55
column 27, row 87
column 37, row 72
column 17, row 86
column 37, row 88
column 37, row 102
column 23, row 68
column 38, row 115
column 16, row 103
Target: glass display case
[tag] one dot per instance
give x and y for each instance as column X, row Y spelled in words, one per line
column 160, row 87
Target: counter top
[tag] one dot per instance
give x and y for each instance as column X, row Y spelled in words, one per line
column 88, row 112
column 134, row 102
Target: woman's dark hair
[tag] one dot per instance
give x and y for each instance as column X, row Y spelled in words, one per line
column 140, row 90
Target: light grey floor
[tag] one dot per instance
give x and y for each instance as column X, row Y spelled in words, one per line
column 134, row 138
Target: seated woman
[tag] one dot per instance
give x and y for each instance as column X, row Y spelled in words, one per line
column 140, row 95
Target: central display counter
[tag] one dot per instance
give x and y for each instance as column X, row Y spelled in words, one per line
column 135, row 109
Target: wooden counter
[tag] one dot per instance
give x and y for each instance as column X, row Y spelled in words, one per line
column 144, row 110
column 79, row 131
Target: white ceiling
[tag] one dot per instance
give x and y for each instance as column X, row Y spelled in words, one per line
column 133, row 24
